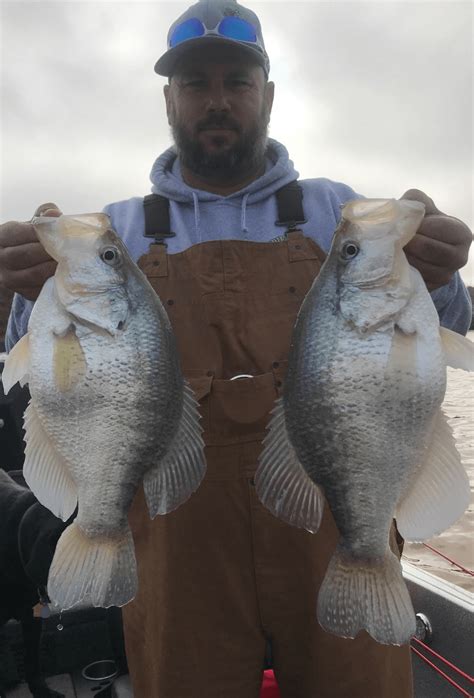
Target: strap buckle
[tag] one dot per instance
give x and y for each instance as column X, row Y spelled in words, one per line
column 157, row 218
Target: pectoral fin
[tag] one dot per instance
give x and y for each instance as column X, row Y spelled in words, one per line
column 459, row 350
column 45, row 471
column 440, row 493
column 172, row 481
column 283, row 485
column 17, row 365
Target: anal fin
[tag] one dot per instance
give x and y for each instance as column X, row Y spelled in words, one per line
column 439, row 493
column 45, row 470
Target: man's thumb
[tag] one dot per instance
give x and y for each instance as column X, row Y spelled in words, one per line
column 417, row 195
column 48, row 209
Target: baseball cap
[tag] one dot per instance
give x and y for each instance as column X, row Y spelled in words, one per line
column 223, row 22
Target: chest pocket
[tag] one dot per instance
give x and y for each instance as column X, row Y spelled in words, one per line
column 304, row 261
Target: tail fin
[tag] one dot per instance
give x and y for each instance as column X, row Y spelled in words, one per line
column 358, row 596
column 100, row 571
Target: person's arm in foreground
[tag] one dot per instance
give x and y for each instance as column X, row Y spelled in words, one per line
column 24, row 267
column 439, row 249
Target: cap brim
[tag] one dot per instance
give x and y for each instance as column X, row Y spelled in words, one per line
column 166, row 64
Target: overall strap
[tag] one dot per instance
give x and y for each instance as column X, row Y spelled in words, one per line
column 290, row 206
column 157, row 212
column 157, row 218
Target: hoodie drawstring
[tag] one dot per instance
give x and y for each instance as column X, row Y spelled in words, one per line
column 243, row 219
column 197, row 216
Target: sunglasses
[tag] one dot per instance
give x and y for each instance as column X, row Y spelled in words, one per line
column 229, row 28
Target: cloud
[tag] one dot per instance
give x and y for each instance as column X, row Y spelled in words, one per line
column 375, row 94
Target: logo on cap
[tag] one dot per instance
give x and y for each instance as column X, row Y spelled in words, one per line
column 231, row 12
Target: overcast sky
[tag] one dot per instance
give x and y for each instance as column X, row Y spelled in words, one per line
column 374, row 94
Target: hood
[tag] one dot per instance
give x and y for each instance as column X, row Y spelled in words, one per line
column 167, row 180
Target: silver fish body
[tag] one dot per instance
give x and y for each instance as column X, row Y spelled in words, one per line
column 359, row 424
column 109, row 408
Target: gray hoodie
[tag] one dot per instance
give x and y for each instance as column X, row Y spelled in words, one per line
column 250, row 214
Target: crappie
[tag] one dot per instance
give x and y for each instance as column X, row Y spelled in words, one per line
column 109, row 408
column 359, row 423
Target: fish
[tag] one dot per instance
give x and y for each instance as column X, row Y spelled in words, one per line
column 109, row 410
column 360, row 427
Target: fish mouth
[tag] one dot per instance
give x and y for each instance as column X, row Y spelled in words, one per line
column 46, row 228
column 377, row 281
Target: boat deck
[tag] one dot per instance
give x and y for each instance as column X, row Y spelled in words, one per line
column 449, row 609
column 75, row 686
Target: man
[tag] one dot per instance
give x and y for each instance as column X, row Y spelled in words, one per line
column 220, row 577
column 28, row 536
column 5, row 304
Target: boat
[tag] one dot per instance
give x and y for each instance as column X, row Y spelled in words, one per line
column 84, row 654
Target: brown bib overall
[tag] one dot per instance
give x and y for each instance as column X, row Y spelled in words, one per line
column 221, row 574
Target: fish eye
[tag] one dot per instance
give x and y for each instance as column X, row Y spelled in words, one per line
column 110, row 255
column 349, row 250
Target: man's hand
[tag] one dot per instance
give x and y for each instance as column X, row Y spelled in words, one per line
column 440, row 246
column 24, row 263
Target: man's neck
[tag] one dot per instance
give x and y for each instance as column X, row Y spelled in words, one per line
column 218, row 187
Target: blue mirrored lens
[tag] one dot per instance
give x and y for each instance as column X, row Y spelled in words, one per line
column 190, row 29
column 239, row 29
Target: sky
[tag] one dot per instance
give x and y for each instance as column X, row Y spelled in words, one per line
column 377, row 94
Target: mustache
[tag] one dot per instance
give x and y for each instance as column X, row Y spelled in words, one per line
column 217, row 121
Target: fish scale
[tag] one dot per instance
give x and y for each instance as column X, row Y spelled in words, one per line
column 109, row 408
column 359, row 426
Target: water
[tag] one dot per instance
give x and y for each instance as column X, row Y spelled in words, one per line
column 456, row 542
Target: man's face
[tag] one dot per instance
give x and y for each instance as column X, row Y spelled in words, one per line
column 219, row 108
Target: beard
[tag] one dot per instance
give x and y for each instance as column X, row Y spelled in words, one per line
column 231, row 163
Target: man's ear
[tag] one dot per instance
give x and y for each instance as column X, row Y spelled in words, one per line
column 166, row 92
column 269, row 96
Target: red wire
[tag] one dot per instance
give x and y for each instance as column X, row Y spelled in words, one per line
column 464, row 569
column 438, row 670
column 443, row 659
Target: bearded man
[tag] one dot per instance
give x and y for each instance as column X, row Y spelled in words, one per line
column 232, row 244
